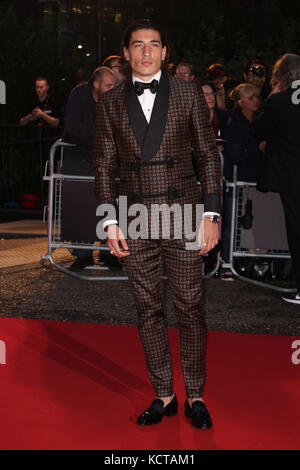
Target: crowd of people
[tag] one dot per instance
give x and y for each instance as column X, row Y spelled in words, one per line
column 234, row 109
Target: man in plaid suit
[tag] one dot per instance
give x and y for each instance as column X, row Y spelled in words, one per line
column 147, row 127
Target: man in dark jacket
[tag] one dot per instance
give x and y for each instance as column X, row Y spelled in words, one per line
column 279, row 125
column 79, row 130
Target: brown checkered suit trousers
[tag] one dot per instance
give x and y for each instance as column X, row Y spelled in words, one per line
column 155, row 167
column 183, row 269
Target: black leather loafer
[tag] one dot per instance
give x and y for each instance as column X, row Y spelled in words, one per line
column 157, row 410
column 199, row 414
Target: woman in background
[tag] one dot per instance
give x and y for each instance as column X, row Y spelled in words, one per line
column 218, row 117
column 241, row 149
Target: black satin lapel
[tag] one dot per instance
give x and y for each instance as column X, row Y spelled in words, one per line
column 158, row 120
column 135, row 113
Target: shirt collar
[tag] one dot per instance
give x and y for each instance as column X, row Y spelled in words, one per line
column 156, row 77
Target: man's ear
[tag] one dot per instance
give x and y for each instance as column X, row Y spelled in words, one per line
column 245, row 76
column 126, row 53
column 96, row 84
column 164, row 53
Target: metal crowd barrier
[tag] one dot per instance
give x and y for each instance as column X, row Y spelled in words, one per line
column 55, row 180
column 244, row 243
column 54, row 217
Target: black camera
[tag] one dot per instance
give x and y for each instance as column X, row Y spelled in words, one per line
column 259, row 71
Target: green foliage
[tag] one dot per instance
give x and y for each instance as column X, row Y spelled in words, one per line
column 32, row 48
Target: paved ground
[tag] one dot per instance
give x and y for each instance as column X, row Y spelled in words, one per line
column 30, row 290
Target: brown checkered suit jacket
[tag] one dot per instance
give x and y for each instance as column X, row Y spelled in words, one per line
column 154, row 160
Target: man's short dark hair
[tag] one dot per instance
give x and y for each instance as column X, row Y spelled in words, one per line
column 210, row 84
column 145, row 23
column 40, row 79
column 99, row 71
column 184, row 63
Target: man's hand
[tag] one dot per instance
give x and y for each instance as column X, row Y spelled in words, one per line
column 38, row 113
column 26, row 119
column 31, row 117
column 116, row 242
column 220, row 95
column 277, row 88
column 52, row 121
column 209, row 234
column 262, row 146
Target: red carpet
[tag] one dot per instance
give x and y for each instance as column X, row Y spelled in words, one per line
column 60, row 381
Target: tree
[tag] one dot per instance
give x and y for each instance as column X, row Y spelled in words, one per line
column 201, row 31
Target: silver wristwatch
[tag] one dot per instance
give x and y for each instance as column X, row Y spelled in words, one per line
column 213, row 218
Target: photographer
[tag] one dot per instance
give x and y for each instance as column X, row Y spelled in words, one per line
column 45, row 111
column 255, row 72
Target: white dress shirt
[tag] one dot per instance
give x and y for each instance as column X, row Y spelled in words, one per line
column 147, row 98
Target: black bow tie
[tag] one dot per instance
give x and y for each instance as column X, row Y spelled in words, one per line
column 141, row 86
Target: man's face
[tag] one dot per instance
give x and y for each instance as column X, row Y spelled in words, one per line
column 105, row 83
column 145, row 53
column 253, row 78
column 184, row 72
column 41, row 88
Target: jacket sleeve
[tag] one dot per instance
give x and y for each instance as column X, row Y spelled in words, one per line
column 105, row 158
column 76, row 122
column 206, row 153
